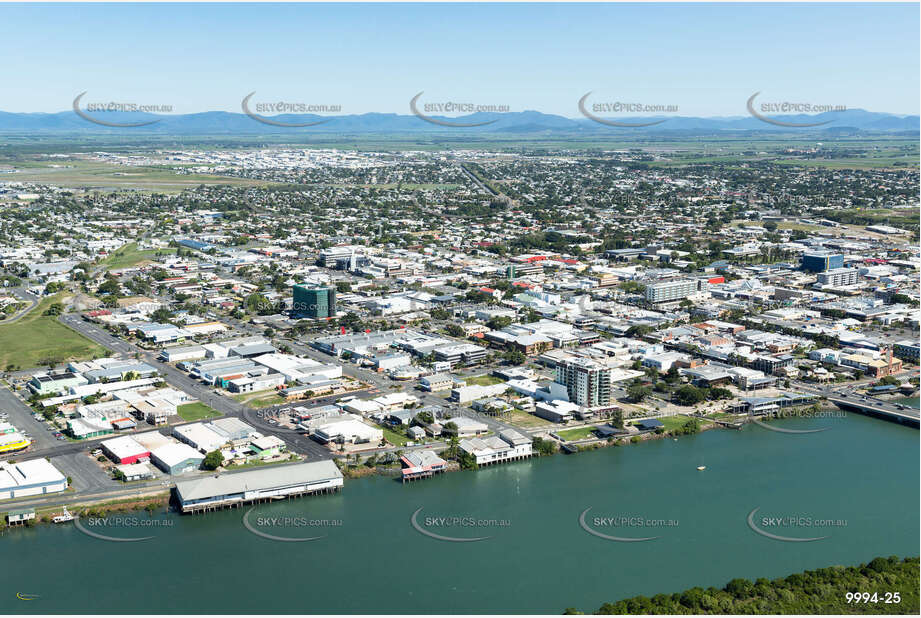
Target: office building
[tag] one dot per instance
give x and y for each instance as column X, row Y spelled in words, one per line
column 314, row 301
column 820, row 261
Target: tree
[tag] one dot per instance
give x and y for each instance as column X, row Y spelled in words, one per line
column 213, row 460
column 637, row 392
column 688, row 395
column 456, row 330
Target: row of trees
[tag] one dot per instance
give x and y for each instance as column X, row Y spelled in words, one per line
column 809, row 593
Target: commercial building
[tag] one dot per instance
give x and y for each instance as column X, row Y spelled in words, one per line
column 29, row 478
column 421, row 464
column 124, row 450
column 12, row 442
column 821, row 261
column 509, row 446
column 314, row 301
column 176, row 458
column 838, row 277
column 666, row 291
column 348, row 430
column 588, row 382
column 908, row 350
column 255, row 485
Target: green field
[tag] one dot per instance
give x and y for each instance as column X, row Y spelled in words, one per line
column 673, row 422
column 38, row 339
column 130, row 255
column 397, row 439
column 265, row 402
column 483, row 380
column 523, row 419
column 580, row 433
column 196, row 411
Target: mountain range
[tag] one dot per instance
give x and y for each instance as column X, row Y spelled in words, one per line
column 526, row 122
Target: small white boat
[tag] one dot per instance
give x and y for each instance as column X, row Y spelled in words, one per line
column 701, row 467
column 63, row 518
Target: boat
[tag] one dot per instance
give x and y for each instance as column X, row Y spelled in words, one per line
column 63, row 518
column 701, row 467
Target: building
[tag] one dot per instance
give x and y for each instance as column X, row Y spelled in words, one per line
column 556, row 411
column 666, row 291
column 55, row 383
column 348, row 430
column 29, row 478
column 314, row 301
column 254, row 485
column 821, row 261
column 124, row 450
column 421, row 464
column 838, row 277
column 465, row 426
column 907, row 350
column 12, row 442
column 588, row 383
column 436, row 382
column 20, row 516
column 508, row 446
column 176, row 458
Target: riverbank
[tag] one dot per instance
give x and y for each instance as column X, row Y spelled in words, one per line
column 542, row 498
column 95, row 508
column 893, row 583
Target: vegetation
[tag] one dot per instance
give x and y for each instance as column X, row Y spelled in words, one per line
column 39, row 339
column 196, row 411
column 213, row 460
column 812, row 592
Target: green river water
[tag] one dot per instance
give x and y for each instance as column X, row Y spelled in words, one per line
column 862, row 473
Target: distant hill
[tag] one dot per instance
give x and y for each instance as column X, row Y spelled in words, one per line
column 526, row 122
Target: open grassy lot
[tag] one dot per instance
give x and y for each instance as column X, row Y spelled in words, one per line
column 265, row 401
column 523, row 419
column 39, row 339
column 397, row 439
column 483, row 380
column 90, row 174
column 580, row 433
column 196, row 411
column 130, row 255
column 673, row 422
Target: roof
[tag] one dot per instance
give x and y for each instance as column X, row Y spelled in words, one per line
column 267, row 478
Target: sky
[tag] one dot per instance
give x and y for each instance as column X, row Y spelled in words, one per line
column 706, row 59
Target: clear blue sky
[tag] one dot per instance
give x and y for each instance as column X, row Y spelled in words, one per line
column 705, row 58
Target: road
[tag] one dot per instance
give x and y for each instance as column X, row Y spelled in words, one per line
column 27, row 296
column 180, row 380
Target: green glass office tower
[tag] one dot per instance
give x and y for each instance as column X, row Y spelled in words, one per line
column 314, row 301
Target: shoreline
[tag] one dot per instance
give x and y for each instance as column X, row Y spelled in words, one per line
column 352, row 471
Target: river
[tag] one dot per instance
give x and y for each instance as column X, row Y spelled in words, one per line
column 861, row 475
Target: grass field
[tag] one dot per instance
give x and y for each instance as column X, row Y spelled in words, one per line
column 37, row 339
column 196, row 411
column 523, row 419
column 130, row 255
column 397, row 439
column 265, row 401
column 483, row 380
column 86, row 173
column 580, row 433
column 673, row 422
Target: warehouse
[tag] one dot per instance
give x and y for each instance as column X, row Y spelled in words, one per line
column 125, row 450
column 200, row 436
column 29, row 478
column 256, row 485
column 176, row 458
